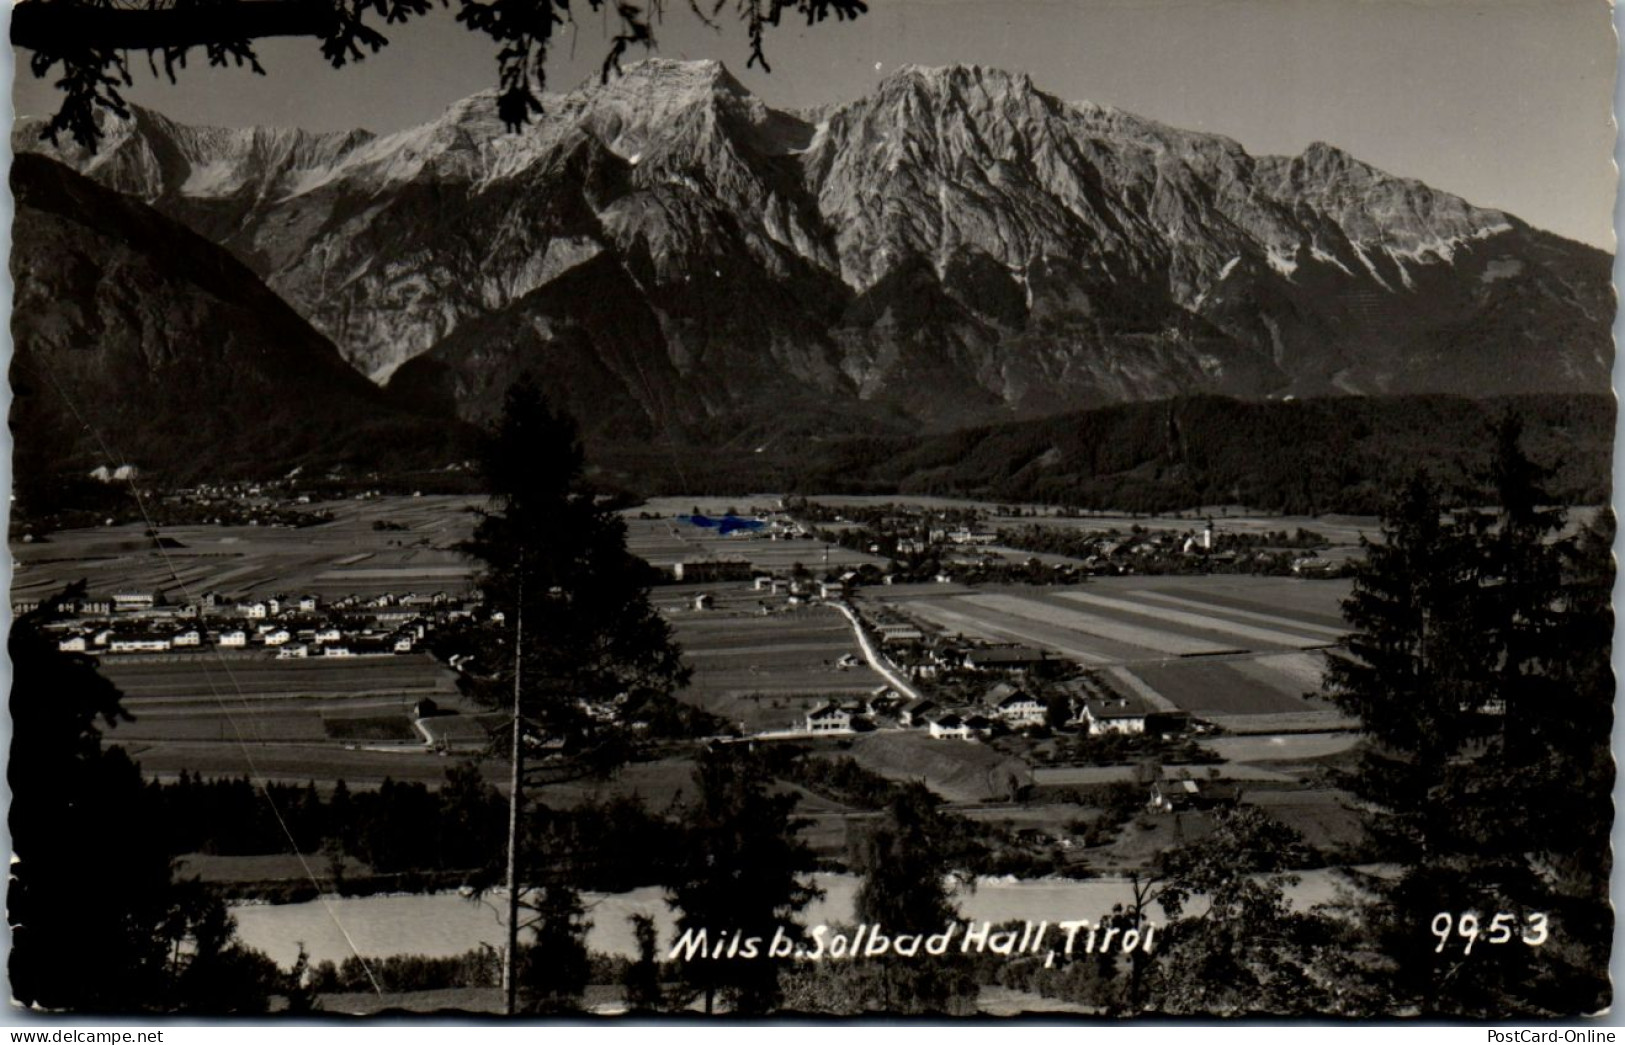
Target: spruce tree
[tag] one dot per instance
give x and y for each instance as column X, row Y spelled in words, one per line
column 906, row 859
column 569, row 642
column 741, row 876
column 1478, row 668
column 557, row 573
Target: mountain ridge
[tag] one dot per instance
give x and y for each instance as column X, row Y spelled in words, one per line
column 955, row 247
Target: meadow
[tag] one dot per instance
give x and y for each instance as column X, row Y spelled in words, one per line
column 758, row 662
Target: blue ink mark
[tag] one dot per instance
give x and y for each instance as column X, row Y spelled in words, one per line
column 725, row 525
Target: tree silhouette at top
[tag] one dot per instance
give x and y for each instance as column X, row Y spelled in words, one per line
column 90, row 39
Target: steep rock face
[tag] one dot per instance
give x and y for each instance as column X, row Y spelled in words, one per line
column 955, row 247
column 139, row 342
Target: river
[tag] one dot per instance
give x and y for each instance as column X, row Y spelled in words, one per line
column 442, row 924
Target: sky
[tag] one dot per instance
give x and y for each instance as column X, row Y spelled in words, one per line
column 1507, row 103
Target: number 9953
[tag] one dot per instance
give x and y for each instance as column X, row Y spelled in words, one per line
column 1469, row 928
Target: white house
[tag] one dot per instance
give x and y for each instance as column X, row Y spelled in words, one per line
column 138, row 644
column 1021, row 709
column 277, row 637
column 949, row 727
column 72, row 644
column 232, row 638
column 293, row 651
column 336, row 651
column 130, row 601
column 329, row 635
column 189, row 637
column 308, row 604
column 1115, row 714
column 831, row 718
column 403, row 644
column 254, row 610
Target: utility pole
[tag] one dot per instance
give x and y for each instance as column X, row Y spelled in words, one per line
column 510, row 982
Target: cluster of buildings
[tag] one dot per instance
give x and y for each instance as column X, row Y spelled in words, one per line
column 1088, row 705
column 285, row 626
column 1003, row 708
column 794, row 590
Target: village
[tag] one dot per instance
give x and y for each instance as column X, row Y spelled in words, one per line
column 1062, row 671
column 944, row 686
column 913, row 637
column 287, row 627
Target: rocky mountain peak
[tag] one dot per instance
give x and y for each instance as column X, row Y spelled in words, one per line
column 674, row 75
column 916, row 91
column 958, row 75
column 1323, row 163
column 955, row 246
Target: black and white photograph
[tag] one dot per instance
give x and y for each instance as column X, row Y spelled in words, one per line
column 697, row 511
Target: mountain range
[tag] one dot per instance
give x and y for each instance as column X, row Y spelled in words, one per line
column 680, row 262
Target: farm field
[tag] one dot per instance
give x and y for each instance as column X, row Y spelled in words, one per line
column 1240, row 651
column 762, row 671
column 1207, row 688
column 954, row 769
column 287, row 719
column 1281, row 749
column 1326, row 818
column 203, row 677
column 1075, row 776
column 1141, row 619
column 667, row 541
column 359, row 765
column 341, row 557
column 1337, row 529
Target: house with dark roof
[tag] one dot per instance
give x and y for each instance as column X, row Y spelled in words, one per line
column 1116, row 713
column 1007, row 658
column 915, row 712
column 1178, row 796
column 831, row 718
